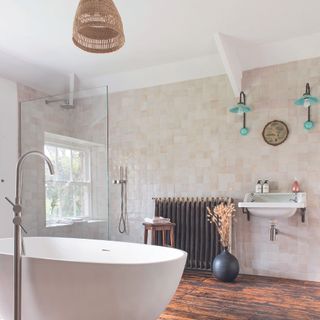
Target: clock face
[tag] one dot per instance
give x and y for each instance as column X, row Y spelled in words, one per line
column 275, row 132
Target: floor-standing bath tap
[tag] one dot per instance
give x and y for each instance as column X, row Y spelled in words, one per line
column 18, row 245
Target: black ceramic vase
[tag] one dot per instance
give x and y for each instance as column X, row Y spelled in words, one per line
column 225, row 266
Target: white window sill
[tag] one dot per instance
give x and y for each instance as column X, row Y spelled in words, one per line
column 65, row 223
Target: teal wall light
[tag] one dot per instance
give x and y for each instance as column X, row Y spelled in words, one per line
column 241, row 109
column 307, row 100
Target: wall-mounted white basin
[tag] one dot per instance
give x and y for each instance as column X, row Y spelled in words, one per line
column 274, row 205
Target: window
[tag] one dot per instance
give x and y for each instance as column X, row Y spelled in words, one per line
column 68, row 192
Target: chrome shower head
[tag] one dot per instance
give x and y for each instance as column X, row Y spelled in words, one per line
column 64, row 105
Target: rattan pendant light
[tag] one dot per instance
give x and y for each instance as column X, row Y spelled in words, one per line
column 98, row 27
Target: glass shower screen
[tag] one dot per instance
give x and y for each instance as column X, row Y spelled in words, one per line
column 71, row 130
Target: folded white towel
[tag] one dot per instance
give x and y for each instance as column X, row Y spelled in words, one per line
column 157, row 220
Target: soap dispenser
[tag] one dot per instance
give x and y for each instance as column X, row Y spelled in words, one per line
column 295, row 186
column 265, row 187
column 259, row 186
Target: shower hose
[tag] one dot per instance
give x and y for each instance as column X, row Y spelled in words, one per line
column 123, row 216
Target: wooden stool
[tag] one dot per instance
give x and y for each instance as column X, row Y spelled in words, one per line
column 163, row 227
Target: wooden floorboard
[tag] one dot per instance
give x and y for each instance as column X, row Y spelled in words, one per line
column 201, row 297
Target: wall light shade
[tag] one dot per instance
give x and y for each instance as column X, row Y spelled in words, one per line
column 241, row 108
column 98, row 27
column 307, row 100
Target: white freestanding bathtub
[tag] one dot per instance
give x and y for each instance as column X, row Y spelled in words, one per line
column 77, row 279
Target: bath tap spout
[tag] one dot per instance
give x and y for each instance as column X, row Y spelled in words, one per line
column 20, row 167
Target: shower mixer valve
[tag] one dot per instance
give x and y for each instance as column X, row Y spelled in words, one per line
column 119, row 181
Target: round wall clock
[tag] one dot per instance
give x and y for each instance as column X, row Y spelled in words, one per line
column 275, row 132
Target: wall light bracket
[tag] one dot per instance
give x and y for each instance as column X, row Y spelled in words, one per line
column 241, row 109
column 307, row 100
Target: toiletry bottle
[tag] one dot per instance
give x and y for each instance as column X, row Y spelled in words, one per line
column 259, row 186
column 265, row 187
column 295, row 186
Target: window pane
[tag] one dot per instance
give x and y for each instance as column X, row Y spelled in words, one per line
column 64, row 164
column 78, row 166
column 52, row 201
column 66, row 200
column 81, row 200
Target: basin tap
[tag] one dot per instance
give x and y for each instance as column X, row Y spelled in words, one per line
column 295, row 199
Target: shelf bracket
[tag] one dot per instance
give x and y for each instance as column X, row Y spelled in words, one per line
column 246, row 211
column 303, row 214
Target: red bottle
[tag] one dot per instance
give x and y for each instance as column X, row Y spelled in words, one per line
column 295, row 186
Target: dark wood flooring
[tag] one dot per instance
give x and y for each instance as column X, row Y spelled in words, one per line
column 200, row 297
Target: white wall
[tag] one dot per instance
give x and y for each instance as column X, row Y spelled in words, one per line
column 196, row 68
column 8, row 151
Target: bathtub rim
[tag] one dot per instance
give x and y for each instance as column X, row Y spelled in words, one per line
column 183, row 253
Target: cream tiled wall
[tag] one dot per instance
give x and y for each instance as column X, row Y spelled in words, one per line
column 180, row 140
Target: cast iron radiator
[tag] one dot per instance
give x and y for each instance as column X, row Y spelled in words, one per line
column 193, row 232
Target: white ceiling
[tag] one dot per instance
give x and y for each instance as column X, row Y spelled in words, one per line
column 158, row 32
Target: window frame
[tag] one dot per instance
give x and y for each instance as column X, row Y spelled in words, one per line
column 72, row 144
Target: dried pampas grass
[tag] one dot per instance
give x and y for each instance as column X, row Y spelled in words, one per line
column 222, row 216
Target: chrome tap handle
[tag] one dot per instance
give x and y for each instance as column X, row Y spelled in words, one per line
column 9, row 201
column 16, row 207
column 17, row 219
column 25, row 231
column 17, row 222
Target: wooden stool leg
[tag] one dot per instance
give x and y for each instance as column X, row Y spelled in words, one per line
column 171, row 237
column 164, row 238
column 145, row 236
column 153, row 236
